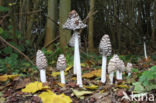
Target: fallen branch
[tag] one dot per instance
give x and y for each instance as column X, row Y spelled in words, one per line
column 26, row 57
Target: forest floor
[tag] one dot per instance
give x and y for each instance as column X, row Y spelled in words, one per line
column 93, row 90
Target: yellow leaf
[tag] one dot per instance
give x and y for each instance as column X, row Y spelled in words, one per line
column 68, row 68
column 50, row 97
column 95, row 73
column 55, row 74
column 123, row 86
column 83, row 64
column 88, row 75
column 73, row 78
column 79, row 94
column 34, row 87
column 4, row 78
column 92, row 87
column 61, row 85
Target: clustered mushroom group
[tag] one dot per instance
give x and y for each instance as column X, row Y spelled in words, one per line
column 115, row 64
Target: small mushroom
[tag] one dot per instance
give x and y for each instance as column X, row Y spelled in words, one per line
column 41, row 63
column 75, row 23
column 129, row 68
column 105, row 49
column 112, row 68
column 120, row 69
column 61, row 65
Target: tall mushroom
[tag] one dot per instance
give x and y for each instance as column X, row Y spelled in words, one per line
column 75, row 23
column 129, row 68
column 105, row 49
column 41, row 63
column 112, row 68
column 61, row 65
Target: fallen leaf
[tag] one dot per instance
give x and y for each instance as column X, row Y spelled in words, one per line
column 50, row 97
column 34, row 87
column 2, row 100
column 92, row 87
column 79, row 94
column 68, row 68
column 4, row 78
column 61, row 85
column 123, row 86
column 95, row 73
column 55, row 74
column 22, row 83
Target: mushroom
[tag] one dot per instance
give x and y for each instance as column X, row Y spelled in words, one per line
column 61, row 65
column 145, row 53
column 112, row 68
column 105, row 49
column 41, row 63
column 75, row 23
column 120, row 69
column 129, row 68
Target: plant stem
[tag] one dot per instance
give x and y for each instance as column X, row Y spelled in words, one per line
column 103, row 73
column 43, row 75
column 62, row 77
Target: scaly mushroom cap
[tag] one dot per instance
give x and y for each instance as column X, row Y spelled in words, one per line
column 105, row 47
column 41, row 61
column 74, row 22
column 112, row 64
column 61, row 62
column 120, row 65
column 72, row 40
column 129, row 67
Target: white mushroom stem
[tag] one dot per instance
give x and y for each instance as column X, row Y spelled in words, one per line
column 62, row 76
column 145, row 53
column 111, row 75
column 117, row 74
column 74, row 71
column 43, row 75
column 129, row 74
column 103, row 73
column 77, row 61
column 120, row 75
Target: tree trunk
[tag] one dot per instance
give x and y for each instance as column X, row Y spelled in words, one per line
column 65, row 6
column 51, row 26
column 31, row 18
column 154, row 23
column 91, row 29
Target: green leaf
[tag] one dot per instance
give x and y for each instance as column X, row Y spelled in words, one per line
column 1, row 30
column 4, row 9
column 138, row 87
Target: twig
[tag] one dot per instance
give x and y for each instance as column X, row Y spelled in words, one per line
column 51, row 42
column 53, row 20
column 91, row 13
column 26, row 57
